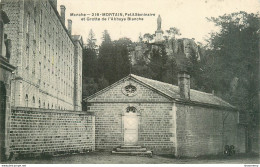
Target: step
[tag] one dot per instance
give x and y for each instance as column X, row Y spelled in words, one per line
column 146, row 153
column 130, row 149
column 130, row 146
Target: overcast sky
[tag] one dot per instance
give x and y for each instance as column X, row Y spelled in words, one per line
column 187, row 15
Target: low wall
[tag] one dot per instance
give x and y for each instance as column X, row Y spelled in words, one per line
column 35, row 132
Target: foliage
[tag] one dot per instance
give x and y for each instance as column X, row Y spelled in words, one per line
column 232, row 60
column 148, row 37
column 110, row 65
column 91, row 41
column 171, row 33
column 113, row 60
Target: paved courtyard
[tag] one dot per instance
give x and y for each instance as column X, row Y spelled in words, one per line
column 108, row 158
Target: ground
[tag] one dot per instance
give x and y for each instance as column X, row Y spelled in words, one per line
column 108, row 158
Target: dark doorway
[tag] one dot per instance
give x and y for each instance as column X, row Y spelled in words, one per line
column 2, row 120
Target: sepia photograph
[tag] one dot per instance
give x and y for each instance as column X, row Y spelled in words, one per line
column 173, row 82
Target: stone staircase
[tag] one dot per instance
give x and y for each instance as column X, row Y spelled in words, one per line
column 132, row 150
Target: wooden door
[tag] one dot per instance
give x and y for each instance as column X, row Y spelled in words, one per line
column 130, row 128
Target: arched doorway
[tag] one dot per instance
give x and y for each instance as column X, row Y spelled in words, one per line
column 130, row 126
column 2, row 119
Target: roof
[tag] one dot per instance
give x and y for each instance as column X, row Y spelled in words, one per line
column 172, row 91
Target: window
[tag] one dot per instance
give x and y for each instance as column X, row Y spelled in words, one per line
column 49, row 51
column 131, row 109
column 34, row 62
column 40, row 43
column 27, row 58
column 62, row 47
column 40, row 21
column 41, row 17
column 33, row 100
column 44, row 49
column 39, row 103
column 28, row 22
column 26, row 100
column 130, row 89
column 40, row 71
column 34, row 29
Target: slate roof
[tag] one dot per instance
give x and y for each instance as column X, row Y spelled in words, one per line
column 172, row 92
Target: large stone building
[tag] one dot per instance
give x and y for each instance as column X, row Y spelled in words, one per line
column 47, row 57
column 6, row 70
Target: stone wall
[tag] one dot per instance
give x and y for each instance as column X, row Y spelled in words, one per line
column 155, row 127
column 36, row 132
column 200, row 130
column 255, row 139
column 5, row 108
column 241, row 138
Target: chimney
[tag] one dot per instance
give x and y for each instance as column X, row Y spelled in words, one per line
column 54, row 3
column 184, row 85
column 69, row 26
column 62, row 13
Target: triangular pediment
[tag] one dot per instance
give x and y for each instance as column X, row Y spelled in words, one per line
column 129, row 89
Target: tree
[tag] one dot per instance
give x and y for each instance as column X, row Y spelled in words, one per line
column 148, row 37
column 106, row 58
column 171, row 33
column 91, row 41
column 89, row 69
column 106, row 37
column 158, row 62
column 114, row 60
column 232, row 63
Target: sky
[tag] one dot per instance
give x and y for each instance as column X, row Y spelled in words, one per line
column 189, row 16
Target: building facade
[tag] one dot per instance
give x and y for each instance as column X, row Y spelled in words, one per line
column 45, row 55
column 137, row 111
column 6, row 70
